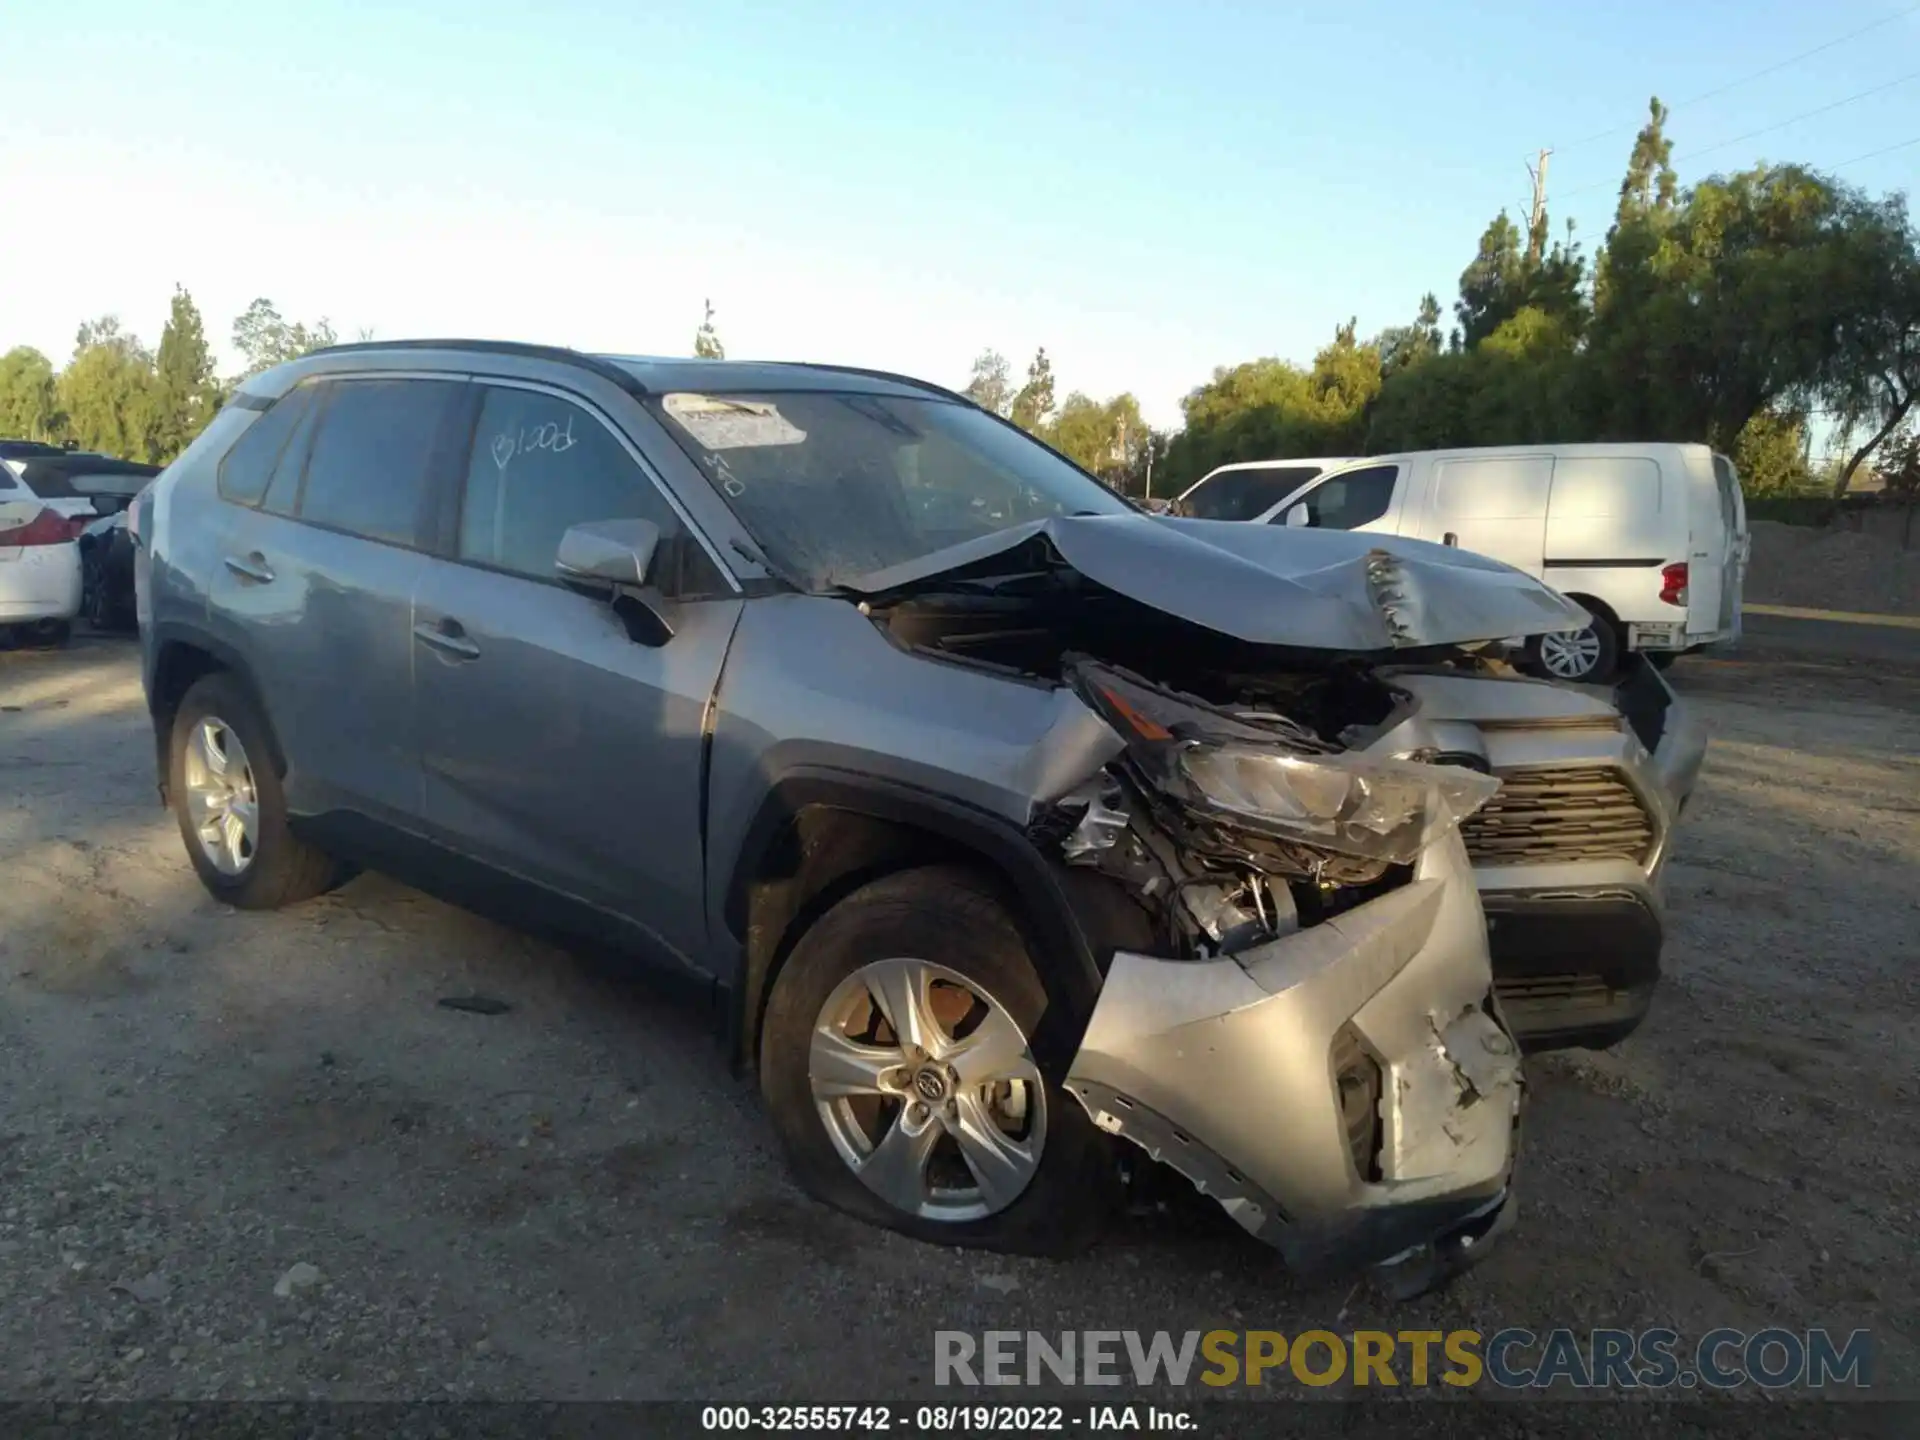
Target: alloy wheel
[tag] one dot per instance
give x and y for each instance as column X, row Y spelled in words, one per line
column 223, row 807
column 927, row 1090
column 1570, row 654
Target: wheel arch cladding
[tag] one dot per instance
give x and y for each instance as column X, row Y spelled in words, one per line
column 181, row 661
column 818, row 837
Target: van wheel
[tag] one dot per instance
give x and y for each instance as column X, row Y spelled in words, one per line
column 895, row 1063
column 232, row 811
column 1582, row 657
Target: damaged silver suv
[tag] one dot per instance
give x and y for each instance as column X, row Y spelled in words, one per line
column 1002, row 826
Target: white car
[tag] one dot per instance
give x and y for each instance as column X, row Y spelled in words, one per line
column 1249, row 488
column 1650, row 539
column 39, row 565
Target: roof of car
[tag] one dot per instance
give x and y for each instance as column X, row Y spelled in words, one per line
column 655, row 375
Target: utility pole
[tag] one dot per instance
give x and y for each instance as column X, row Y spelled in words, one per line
column 1537, row 217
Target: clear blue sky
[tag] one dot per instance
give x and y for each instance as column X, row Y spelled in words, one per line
column 1147, row 189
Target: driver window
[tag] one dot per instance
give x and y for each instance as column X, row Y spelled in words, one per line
column 1350, row 500
column 541, row 464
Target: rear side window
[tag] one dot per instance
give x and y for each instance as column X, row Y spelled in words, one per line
column 247, row 468
column 1244, row 494
column 1350, row 500
column 367, row 469
column 540, row 465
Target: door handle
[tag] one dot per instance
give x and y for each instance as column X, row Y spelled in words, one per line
column 253, row 567
column 448, row 638
column 1450, row 539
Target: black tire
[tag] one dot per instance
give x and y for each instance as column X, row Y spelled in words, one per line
column 949, row 916
column 283, row 870
column 1606, row 657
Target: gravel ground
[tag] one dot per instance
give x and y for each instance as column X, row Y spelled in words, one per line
column 252, row 1156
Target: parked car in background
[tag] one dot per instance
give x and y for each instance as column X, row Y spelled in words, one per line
column 79, row 484
column 1243, row 491
column 963, row 819
column 39, row 567
column 1650, row 539
column 106, row 573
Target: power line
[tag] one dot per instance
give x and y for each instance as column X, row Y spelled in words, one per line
column 1876, row 154
column 1777, row 125
column 1804, row 115
column 1773, row 69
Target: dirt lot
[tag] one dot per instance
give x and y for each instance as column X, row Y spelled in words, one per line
column 574, row 1199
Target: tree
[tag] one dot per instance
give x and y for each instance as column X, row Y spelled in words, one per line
column 1031, row 408
column 1504, row 279
column 110, row 394
column 706, row 341
column 1770, row 452
column 1404, row 345
column 1873, row 379
column 186, row 395
column 1650, row 186
column 1775, row 286
column 28, row 407
column 1106, row 438
column 991, row 387
column 1490, row 286
column 265, row 338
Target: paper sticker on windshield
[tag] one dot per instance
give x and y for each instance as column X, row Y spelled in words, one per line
column 721, row 423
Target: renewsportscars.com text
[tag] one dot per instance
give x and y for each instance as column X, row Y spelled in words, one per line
column 1512, row 1358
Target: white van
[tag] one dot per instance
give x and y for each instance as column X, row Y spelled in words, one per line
column 1240, row 492
column 1650, row 539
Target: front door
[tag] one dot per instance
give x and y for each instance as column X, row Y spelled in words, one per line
column 1366, row 498
column 555, row 747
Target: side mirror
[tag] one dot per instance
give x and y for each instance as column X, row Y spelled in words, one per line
column 615, row 557
column 608, row 552
column 1296, row 517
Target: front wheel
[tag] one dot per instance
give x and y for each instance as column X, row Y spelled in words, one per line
column 1580, row 657
column 895, row 1062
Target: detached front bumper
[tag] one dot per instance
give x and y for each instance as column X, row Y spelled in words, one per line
column 1241, row 1073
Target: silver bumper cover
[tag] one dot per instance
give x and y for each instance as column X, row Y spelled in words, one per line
column 1225, row 1069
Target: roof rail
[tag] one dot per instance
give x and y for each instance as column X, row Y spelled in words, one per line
column 606, row 370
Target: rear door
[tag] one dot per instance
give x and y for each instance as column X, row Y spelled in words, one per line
column 1731, row 507
column 557, row 747
column 318, row 559
column 1493, row 505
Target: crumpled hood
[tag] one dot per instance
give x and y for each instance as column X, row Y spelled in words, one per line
column 1270, row 585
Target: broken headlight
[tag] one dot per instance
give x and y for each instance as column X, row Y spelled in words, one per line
column 1272, row 775
column 1351, row 804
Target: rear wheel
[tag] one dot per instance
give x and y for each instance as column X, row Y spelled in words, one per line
column 1581, row 657
column 232, row 812
column 895, row 1062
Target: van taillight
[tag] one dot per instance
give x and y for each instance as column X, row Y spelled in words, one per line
column 49, row 527
column 1673, row 583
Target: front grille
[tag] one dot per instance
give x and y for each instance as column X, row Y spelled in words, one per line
column 1546, row 816
column 1587, row 992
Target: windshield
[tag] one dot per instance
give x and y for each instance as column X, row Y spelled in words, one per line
column 1243, row 494
column 834, row 485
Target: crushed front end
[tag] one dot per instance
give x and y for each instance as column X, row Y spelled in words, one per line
column 1312, row 1040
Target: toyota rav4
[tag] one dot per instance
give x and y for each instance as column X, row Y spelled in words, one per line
column 1001, row 825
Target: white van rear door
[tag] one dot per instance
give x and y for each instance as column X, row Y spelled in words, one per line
column 1493, row 505
column 1730, row 508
